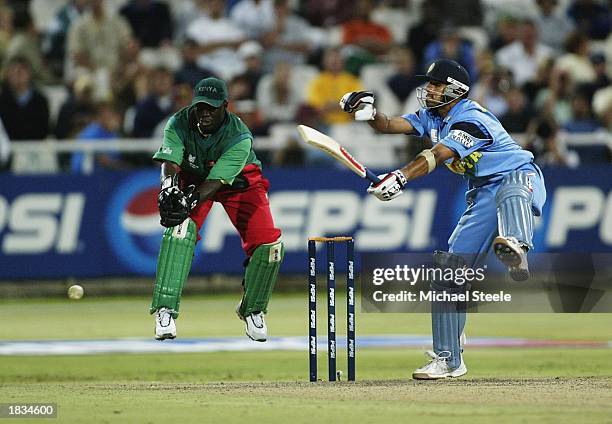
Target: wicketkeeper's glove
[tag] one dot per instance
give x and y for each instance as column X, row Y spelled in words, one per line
column 175, row 205
column 360, row 102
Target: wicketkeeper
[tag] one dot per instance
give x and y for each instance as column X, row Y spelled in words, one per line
column 207, row 156
column 505, row 191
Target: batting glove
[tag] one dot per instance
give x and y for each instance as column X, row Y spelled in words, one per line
column 389, row 187
column 360, row 102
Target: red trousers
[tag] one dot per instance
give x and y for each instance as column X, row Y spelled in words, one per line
column 248, row 209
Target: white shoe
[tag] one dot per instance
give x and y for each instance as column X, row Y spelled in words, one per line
column 165, row 328
column 512, row 254
column 256, row 327
column 438, row 368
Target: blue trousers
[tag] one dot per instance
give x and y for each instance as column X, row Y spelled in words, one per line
column 473, row 237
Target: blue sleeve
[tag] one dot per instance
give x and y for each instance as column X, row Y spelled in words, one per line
column 467, row 137
column 419, row 121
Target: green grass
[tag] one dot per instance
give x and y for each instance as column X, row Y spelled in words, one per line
column 213, row 316
column 503, row 385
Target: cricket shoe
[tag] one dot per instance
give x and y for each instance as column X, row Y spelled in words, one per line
column 255, row 324
column 512, row 254
column 438, row 368
column 165, row 328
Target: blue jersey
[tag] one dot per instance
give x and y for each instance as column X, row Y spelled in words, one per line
column 484, row 147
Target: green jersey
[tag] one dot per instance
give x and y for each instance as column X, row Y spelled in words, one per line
column 219, row 156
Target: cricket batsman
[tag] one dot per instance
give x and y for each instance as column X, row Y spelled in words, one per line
column 505, row 191
column 207, row 156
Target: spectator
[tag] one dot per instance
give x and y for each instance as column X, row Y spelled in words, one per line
column 150, row 21
column 250, row 114
column 491, row 91
column 218, row 38
column 251, row 52
column 255, row 17
column 182, row 94
column 420, row 35
column 507, row 31
column 591, row 18
column 524, row 56
column 239, row 89
column 361, row 31
column 601, row 73
column 77, row 111
column 582, row 120
column 326, row 13
column 576, row 62
column 129, row 79
column 541, row 81
column 602, row 105
column 291, row 40
column 449, row 45
column 25, row 43
column 156, row 105
column 292, row 154
column 24, row 111
column 6, row 27
column 545, row 145
column 469, row 14
column 95, row 44
column 185, row 12
column 190, row 72
column 555, row 101
column 54, row 44
column 105, row 126
column 277, row 98
column 403, row 81
column 519, row 113
column 329, row 86
column 554, row 25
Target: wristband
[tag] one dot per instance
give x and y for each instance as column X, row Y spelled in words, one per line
column 430, row 158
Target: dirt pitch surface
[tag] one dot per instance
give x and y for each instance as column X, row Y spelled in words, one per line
column 542, row 400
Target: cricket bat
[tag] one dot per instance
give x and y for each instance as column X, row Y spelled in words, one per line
column 331, row 147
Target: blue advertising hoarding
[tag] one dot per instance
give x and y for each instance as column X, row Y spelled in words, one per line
column 107, row 224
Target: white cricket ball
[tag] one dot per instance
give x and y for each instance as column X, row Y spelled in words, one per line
column 339, row 375
column 75, row 292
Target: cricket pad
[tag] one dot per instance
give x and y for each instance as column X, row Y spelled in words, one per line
column 173, row 266
column 260, row 277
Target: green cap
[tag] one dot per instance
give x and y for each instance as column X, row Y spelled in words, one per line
column 210, row 90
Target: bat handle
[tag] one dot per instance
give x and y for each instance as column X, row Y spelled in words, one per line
column 372, row 176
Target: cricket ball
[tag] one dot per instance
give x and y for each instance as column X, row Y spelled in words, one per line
column 75, row 292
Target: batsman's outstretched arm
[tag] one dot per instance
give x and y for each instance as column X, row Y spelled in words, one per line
column 427, row 161
column 392, row 184
column 390, row 125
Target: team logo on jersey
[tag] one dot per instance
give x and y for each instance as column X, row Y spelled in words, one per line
column 466, row 165
column 462, row 137
column 166, row 150
column 433, row 134
column 191, row 158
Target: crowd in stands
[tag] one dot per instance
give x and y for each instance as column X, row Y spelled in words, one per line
column 120, row 68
